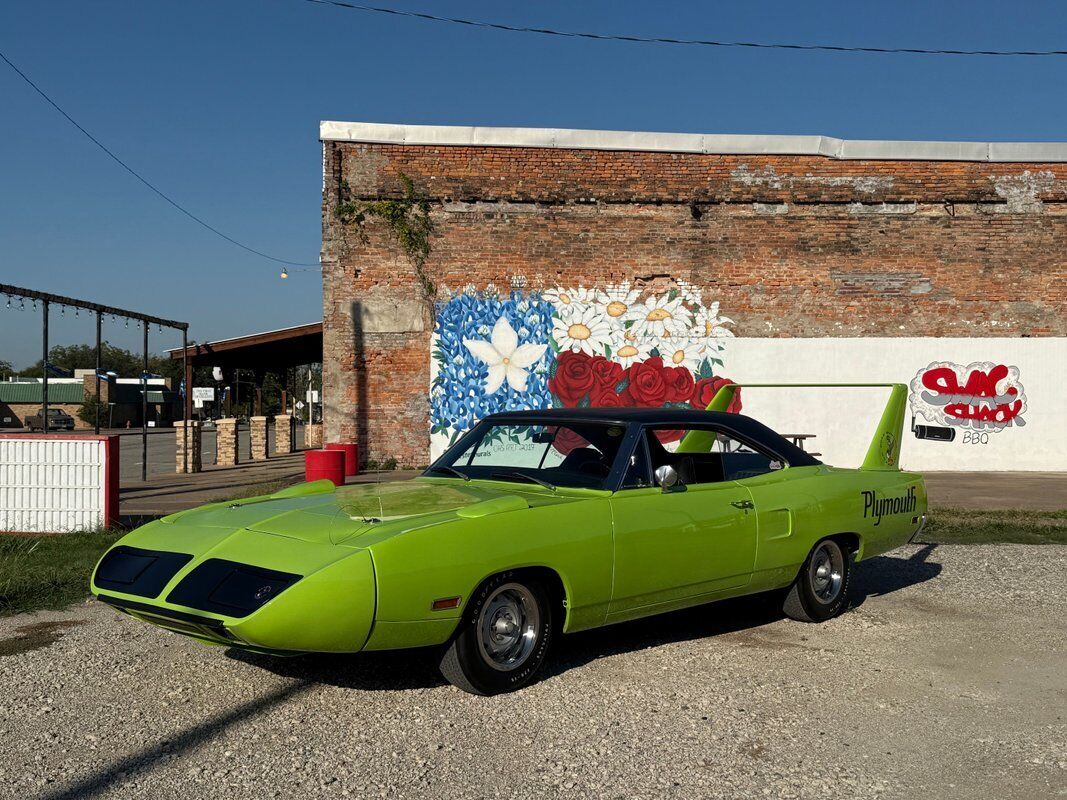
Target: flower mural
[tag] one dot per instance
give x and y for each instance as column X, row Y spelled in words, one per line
column 572, row 348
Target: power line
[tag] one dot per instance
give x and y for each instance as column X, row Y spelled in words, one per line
column 663, row 40
column 142, row 179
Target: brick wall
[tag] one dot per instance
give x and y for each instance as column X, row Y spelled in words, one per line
column 791, row 246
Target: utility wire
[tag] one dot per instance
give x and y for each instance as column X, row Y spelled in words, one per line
column 662, row 40
column 144, row 180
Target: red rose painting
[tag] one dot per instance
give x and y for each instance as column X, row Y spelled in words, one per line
column 566, row 440
column 705, row 390
column 573, row 379
column 607, row 373
column 680, row 384
column 647, row 384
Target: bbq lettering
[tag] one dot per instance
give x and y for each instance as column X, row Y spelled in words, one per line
column 874, row 506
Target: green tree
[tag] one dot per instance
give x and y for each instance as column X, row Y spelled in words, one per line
column 124, row 363
column 87, row 412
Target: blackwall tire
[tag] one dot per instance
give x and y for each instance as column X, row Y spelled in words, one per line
column 503, row 638
column 820, row 591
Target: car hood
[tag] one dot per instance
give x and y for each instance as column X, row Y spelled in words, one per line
column 348, row 512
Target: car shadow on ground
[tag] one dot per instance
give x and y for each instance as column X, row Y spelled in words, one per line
column 883, row 575
column 388, row 670
column 417, row 668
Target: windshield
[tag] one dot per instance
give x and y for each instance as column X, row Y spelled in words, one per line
column 574, row 454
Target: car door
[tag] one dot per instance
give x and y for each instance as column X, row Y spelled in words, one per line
column 675, row 547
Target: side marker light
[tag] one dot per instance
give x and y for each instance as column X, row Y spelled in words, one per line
column 444, row 603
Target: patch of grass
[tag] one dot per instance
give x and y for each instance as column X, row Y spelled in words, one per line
column 53, row 571
column 963, row 526
column 255, row 490
column 49, row 572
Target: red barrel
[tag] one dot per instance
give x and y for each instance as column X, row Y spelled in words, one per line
column 319, row 464
column 351, row 452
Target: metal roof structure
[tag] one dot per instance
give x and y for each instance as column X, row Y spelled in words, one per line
column 270, row 350
column 706, row 143
column 30, row 392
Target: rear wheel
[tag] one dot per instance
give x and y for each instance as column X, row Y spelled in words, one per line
column 821, row 588
column 503, row 638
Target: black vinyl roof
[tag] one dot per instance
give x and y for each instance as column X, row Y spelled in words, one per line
column 744, row 428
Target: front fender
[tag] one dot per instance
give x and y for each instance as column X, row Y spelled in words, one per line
column 331, row 610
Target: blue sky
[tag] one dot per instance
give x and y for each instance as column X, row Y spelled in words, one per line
column 219, row 102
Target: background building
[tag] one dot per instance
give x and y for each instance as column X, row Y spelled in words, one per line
column 751, row 258
column 120, row 398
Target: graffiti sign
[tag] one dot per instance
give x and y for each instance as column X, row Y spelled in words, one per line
column 572, row 348
column 982, row 396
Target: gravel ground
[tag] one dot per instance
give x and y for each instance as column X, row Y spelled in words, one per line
column 946, row 679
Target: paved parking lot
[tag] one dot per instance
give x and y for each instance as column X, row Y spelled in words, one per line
column 162, row 450
column 947, row 679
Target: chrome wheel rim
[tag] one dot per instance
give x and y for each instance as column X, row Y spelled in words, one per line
column 508, row 626
column 826, row 572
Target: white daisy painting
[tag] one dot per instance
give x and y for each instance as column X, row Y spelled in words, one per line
column 581, row 329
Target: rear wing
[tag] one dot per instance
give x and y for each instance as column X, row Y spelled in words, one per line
column 883, row 454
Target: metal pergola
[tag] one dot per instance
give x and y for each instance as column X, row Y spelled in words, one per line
column 48, row 299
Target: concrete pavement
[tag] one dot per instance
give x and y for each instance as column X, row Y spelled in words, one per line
column 989, row 491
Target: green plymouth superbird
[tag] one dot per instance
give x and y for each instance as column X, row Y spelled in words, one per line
column 533, row 524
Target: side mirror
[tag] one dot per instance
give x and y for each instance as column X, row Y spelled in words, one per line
column 667, row 477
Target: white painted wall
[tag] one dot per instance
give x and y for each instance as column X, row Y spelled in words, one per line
column 52, row 485
column 844, row 419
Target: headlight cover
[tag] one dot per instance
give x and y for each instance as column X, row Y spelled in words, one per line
column 230, row 588
column 143, row 573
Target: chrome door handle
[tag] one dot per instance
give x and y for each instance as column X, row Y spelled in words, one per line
column 746, row 504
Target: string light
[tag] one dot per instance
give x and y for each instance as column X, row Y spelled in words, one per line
column 285, row 274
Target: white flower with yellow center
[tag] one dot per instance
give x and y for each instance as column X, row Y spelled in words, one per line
column 569, row 299
column 616, row 301
column 506, row 358
column 711, row 327
column 583, row 329
column 658, row 317
column 682, row 352
column 626, row 350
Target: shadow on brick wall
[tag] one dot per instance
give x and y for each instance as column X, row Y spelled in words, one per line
column 359, row 364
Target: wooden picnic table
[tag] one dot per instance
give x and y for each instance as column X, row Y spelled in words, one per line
column 798, row 439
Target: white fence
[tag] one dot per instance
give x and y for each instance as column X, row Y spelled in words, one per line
column 58, row 483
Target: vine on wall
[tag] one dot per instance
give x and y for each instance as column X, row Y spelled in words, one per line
column 408, row 219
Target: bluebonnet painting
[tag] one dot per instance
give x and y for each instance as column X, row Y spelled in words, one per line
column 475, row 334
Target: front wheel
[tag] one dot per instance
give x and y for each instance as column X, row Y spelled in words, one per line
column 820, row 590
column 503, row 638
